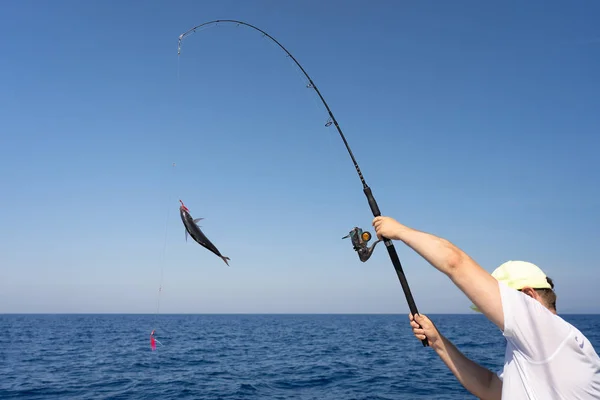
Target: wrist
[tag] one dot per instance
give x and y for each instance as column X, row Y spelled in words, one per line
column 401, row 232
column 439, row 345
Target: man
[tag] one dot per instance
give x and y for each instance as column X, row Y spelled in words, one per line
column 546, row 357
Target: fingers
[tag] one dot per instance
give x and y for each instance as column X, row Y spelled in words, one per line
column 418, row 331
column 416, row 323
column 421, row 324
column 418, row 317
column 385, row 227
column 376, row 225
column 419, row 321
column 413, row 323
column 422, row 319
column 377, row 222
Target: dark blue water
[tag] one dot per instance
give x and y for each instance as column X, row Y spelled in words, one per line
column 240, row 356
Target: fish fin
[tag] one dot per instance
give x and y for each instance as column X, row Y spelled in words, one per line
column 197, row 219
column 225, row 259
column 186, row 235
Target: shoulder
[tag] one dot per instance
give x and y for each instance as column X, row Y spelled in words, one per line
column 535, row 331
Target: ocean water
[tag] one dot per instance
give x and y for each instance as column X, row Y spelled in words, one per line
column 240, row 356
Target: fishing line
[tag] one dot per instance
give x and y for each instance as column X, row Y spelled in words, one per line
column 366, row 189
column 164, row 249
column 169, row 178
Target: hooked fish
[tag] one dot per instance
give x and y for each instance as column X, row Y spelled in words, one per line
column 193, row 230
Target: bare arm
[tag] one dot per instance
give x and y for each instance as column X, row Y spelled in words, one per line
column 475, row 282
column 480, row 381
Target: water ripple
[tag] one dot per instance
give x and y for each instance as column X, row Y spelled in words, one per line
column 239, row 356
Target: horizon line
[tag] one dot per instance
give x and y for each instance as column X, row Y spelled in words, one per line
column 261, row 313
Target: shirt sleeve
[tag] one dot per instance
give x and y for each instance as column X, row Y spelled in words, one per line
column 534, row 330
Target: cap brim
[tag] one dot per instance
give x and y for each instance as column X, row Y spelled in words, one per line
column 474, row 308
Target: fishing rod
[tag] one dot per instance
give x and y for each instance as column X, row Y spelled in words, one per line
column 366, row 189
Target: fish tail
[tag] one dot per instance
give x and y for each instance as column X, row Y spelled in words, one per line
column 225, row 259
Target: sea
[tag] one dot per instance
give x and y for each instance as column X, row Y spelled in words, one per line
column 325, row 357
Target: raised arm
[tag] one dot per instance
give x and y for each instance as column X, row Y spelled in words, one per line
column 475, row 282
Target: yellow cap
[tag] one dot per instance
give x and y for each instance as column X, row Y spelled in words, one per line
column 519, row 274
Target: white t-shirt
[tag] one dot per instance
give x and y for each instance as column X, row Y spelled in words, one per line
column 546, row 357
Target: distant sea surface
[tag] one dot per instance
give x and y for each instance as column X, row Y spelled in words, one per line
column 107, row 356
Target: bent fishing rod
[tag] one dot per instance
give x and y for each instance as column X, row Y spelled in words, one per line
column 366, row 189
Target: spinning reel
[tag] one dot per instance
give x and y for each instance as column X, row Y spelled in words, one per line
column 359, row 243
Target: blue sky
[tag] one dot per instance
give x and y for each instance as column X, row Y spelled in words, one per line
column 475, row 121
